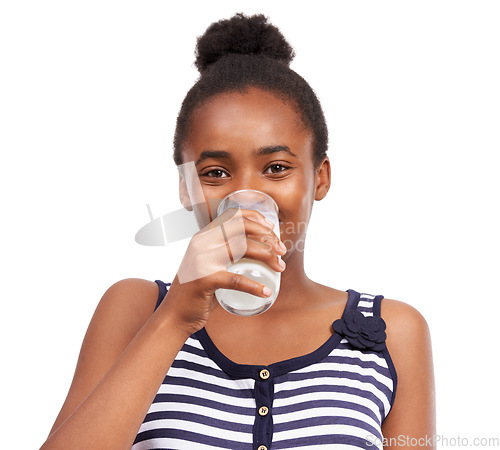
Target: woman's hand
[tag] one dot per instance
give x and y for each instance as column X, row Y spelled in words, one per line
column 234, row 234
column 124, row 336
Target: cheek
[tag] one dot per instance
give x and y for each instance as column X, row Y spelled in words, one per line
column 305, row 214
column 306, row 195
column 297, row 211
column 298, row 195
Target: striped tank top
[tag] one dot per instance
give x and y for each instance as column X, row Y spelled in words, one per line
column 335, row 397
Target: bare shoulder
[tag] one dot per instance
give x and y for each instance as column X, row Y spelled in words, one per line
column 409, row 346
column 135, row 286
column 134, row 293
column 122, row 311
column 405, row 324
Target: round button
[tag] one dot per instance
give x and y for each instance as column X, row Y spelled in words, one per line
column 262, row 447
column 264, row 374
column 263, row 410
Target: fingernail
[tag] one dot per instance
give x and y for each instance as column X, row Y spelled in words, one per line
column 269, row 223
column 281, row 263
column 283, row 247
column 267, row 292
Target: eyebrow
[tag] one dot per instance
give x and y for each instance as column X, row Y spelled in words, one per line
column 268, row 150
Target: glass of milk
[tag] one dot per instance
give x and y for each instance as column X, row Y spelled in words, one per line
column 241, row 303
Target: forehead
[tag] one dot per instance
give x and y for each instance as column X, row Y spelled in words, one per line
column 250, row 119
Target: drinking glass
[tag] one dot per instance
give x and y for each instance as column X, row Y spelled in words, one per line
column 242, row 303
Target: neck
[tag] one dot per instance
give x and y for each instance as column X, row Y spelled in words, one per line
column 294, row 282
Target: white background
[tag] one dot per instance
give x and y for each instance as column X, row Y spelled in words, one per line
column 89, row 93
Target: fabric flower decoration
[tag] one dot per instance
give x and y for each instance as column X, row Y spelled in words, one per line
column 364, row 332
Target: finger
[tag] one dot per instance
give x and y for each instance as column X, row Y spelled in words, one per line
column 207, row 253
column 253, row 230
column 271, row 241
column 258, row 217
column 257, row 251
column 249, row 214
column 228, row 280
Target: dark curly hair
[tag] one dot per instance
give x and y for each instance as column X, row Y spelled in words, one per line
column 243, row 52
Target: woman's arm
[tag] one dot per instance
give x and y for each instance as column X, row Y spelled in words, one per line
column 125, row 355
column 128, row 349
column 411, row 422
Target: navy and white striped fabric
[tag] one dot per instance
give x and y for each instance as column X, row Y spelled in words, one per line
column 335, row 397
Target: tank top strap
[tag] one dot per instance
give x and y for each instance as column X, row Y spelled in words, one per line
column 352, row 301
column 163, row 291
column 369, row 304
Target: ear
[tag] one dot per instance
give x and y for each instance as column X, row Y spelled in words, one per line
column 183, row 194
column 322, row 179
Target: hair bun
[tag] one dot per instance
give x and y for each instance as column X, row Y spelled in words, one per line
column 247, row 35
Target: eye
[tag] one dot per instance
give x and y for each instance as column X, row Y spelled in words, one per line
column 276, row 168
column 214, row 173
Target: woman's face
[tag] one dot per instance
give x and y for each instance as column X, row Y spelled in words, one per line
column 253, row 140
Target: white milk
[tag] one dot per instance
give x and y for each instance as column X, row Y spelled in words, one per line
column 244, row 304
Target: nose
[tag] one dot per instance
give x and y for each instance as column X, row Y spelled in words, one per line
column 252, row 196
column 251, row 193
column 249, row 180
